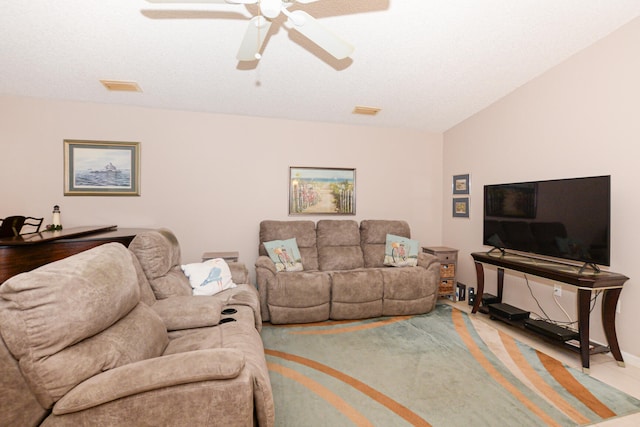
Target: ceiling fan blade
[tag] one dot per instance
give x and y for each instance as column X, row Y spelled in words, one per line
column 319, row 34
column 206, row 1
column 253, row 38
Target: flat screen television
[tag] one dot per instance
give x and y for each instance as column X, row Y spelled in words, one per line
column 561, row 218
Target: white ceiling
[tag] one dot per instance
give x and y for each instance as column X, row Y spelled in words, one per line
column 429, row 64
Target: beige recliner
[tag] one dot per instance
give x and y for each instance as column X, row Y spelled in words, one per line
column 79, row 347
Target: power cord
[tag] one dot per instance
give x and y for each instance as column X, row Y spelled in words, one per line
column 546, row 317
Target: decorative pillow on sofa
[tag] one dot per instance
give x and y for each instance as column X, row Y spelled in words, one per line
column 284, row 254
column 209, row 277
column 400, row 251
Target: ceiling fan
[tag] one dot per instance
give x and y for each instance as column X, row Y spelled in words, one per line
column 299, row 20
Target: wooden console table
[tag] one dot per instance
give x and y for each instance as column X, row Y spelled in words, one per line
column 26, row 252
column 585, row 281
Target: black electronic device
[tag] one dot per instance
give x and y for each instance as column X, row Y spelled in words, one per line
column 506, row 311
column 472, row 296
column 561, row 218
column 551, row 330
column 489, row 299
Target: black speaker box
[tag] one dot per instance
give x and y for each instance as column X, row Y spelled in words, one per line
column 506, row 311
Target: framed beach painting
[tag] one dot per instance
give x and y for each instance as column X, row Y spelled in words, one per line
column 322, row 191
column 101, row 168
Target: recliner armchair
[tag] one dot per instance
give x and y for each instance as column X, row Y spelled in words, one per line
column 78, row 347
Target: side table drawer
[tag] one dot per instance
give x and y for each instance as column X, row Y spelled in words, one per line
column 447, row 270
column 446, row 287
column 447, row 257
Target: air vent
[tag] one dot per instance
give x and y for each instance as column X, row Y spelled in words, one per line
column 368, row 111
column 121, row 86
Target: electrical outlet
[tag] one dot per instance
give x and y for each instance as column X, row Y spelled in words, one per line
column 557, row 290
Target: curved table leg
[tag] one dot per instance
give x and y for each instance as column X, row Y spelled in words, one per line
column 479, row 287
column 609, row 303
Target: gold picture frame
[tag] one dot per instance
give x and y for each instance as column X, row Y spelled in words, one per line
column 101, row 168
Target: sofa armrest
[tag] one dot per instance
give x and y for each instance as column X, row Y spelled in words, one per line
column 152, row 374
column 239, row 272
column 265, row 272
column 264, row 262
column 186, row 312
column 427, row 260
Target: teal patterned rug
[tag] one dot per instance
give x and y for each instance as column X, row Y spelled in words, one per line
column 444, row 368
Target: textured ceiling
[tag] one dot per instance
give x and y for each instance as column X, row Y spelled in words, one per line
column 429, row 64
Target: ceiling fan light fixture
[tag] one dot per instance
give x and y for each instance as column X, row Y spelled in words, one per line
column 121, row 86
column 367, row 111
column 270, row 8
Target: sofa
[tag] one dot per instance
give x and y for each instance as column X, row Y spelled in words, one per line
column 343, row 275
column 80, row 346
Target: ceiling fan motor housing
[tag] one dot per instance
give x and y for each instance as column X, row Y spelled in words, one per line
column 270, row 8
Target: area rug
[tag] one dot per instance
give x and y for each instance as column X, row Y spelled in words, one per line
column 444, row 368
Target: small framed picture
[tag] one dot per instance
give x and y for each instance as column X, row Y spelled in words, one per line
column 461, row 207
column 461, row 184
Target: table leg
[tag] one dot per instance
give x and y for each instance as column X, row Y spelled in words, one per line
column 609, row 303
column 500, row 283
column 479, row 287
column 584, row 301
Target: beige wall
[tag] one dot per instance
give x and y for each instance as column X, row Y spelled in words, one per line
column 581, row 118
column 213, row 178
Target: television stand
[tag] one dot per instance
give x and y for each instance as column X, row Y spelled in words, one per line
column 495, row 248
column 586, row 281
column 586, row 265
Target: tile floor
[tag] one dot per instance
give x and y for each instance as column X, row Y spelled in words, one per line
column 603, row 366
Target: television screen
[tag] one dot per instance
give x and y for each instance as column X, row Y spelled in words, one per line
column 563, row 218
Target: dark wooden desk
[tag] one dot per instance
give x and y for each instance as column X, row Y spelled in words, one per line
column 585, row 281
column 24, row 253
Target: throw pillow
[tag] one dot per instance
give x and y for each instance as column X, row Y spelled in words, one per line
column 209, row 277
column 400, row 251
column 284, row 254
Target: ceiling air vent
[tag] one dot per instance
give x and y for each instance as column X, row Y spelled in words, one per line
column 368, row 111
column 121, row 86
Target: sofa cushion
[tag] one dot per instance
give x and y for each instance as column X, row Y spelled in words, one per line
column 304, row 233
column 339, row 245
column 19, row 405
column 159, row 254
column 246, row 339
column 299, row 297
column 409, row 290
column 71, row 319
column 400, row 251
column 373, row 238
column 284, row 254
column 356, row 294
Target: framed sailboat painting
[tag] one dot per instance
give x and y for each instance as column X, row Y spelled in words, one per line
column 101, row 168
